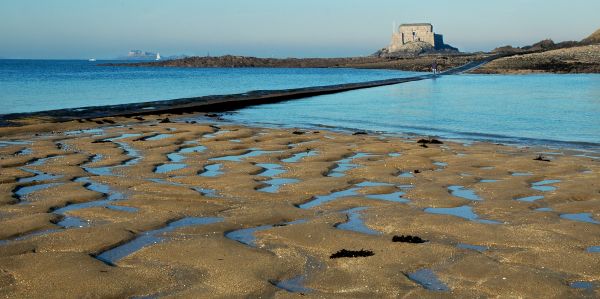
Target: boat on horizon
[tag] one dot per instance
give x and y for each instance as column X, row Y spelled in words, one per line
column 157, row 56
column 92, row 59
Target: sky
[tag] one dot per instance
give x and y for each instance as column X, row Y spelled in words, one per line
column 74, row 29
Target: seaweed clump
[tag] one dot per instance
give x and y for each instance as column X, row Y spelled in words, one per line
column 429, row 141
column 352, row 253
column 541, row 157
column 408, row 239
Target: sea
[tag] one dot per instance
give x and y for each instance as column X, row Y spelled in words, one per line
column 555, row 110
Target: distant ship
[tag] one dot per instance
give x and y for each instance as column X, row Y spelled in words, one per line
column 92, row 59
column 157, row 56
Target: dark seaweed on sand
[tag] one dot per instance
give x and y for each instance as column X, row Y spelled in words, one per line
column 352, row 253
column 360, row 133
column 541, row 157
column 408, row 239
column 429, row 141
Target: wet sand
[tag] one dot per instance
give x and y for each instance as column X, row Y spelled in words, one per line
column 179, row 209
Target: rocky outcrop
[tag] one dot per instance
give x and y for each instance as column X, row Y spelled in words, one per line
column 406, row 63
column 580, row 59
column 592, row 39
column 413, row 49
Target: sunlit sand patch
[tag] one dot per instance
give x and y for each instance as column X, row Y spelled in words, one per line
column 374, row 185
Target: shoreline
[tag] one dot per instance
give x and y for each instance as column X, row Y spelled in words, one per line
column 549, row 144
column 340, row 192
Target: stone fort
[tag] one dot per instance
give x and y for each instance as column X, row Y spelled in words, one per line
column 415, row 33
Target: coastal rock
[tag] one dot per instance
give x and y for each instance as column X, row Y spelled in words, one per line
column 594, row 38
column 580, row 59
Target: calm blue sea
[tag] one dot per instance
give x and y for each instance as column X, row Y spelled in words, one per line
column 548, row 109
column 562, row 110
column 38, row 85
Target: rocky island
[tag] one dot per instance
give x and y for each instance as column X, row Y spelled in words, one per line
column 414, row 47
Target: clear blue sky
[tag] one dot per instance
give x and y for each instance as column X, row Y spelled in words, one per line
column 276, row 28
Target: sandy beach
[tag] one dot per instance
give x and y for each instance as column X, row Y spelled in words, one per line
column 145, row 206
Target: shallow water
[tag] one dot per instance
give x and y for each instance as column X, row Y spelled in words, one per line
column 212, row 170
column 206, row 192
column 164, row 168
column 593, row 249
column 521, row 174
column 23, row 192
column 271, row 169
column 276, row 183
column 488, row 181
column 428, row 279
column 498, row 108
column 355, row 222
column 582, row 285
column 237, row 158
column 465, row 212
column 293, row 285
column 134, row 156
column 149, row 238
column 321, row 199
column 246, row 236
column 530, row 198
column 581, row 217
column 36, row 85
column 472, row 247
column 543, row 185
column 343, row 165
column 462, row 192
column 299, row 156
column 177, row 158
column 158, row 137
column 38, row 176
column 406, row 174
column 393, row 197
